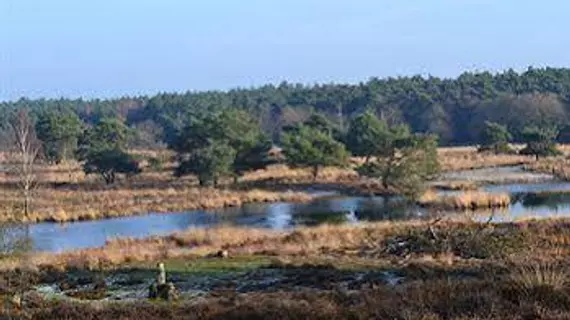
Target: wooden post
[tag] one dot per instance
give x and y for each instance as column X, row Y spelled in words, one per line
column 161, row 278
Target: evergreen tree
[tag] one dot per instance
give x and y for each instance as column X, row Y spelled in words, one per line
column 310, row 148
column 367, row 136
column 540, row 142
column 59, row 133
column 107, row 134
column 208, row 163
column 103, row 150
column 231, row 136
column 495, row 138
column 404, row 163
column 109, row 163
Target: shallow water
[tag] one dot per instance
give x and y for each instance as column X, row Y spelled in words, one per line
column 279, row 216
column 546, row 199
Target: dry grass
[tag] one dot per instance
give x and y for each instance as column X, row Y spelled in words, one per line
column 452, row 270
column 202, row 242
column 286, row 175
column 469, row 200
column 63, row 205
column 465, row 158
column 369, row 239
column 557, row 166
column 527, row 276
column 66, row 194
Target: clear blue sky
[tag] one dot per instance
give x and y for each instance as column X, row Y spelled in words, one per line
column 107, row 48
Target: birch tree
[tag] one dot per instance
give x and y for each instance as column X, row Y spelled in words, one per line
column 26, row 149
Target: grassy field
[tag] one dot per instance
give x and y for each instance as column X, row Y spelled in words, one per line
column 66, row 194
column 446, row 270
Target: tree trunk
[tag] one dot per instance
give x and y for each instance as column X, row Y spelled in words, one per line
column 109, row 177
column 315, row 173
column 27, row 148
column 26, row 202
column 340, row 117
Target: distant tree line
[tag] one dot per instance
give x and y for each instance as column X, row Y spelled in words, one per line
column 395, row 125
column 454, row 109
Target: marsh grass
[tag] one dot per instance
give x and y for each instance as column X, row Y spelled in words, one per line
column 377, row 240
column 526, row 277
column 469, row 200
column 64, row 205
column 464, row 158
column 66, row 194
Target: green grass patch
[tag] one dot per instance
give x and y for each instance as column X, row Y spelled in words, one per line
column 208, row 265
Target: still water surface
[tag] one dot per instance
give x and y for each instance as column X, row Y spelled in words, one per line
column 541, row 199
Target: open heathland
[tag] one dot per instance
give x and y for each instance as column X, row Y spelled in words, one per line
column 441, row 269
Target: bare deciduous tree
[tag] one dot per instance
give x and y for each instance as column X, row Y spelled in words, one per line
column 26, row 149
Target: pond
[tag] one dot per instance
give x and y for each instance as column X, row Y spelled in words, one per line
column 279, row 216
column 544, row 199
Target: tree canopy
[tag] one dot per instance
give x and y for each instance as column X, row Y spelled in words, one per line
column 454, row 109
column 540, row 142
column 59, row 133
column 308, row 147
column 403, row 162
column 221, row 144
column 367, row 136
column 495, row 138
column 103, row 150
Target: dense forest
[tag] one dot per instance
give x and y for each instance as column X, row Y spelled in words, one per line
column 454, row 109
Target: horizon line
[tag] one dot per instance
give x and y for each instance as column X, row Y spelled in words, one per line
column 276, row 84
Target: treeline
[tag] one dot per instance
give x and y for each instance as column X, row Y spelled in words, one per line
column 456, row 110
column 229, row 143
column 218, row 145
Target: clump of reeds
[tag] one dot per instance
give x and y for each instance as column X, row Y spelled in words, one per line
column 525, row 277
column 469, row 200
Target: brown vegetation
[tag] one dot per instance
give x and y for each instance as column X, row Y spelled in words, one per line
column 66, row 194
column 465, row 158
column 65, row 205
column 469, row 200
column 451, row 270
column 370, row 239
column 429, row 299
column 557, row 166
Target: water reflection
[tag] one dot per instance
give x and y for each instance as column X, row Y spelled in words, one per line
column 552, row 201
column 386, row 208
column 519, row 188
column 15, row 239
column 279, row 216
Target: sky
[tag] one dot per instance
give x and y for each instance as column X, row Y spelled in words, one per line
column 110, row 48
